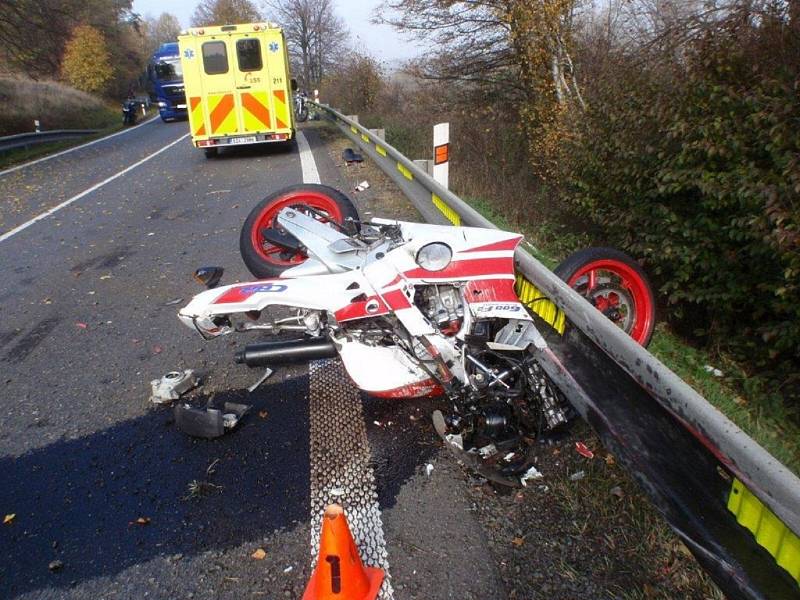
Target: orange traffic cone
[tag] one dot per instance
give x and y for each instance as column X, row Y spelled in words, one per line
column 340, row 574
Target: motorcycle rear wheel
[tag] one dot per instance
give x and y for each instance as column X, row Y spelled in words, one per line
column 616, row 285
column 265, row 260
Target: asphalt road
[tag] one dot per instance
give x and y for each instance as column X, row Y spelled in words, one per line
column 88, row 303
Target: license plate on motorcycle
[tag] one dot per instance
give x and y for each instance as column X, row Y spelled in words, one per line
column 251, row 139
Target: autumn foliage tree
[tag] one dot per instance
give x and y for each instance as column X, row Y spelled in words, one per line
column 87, row 62
column 225, row 12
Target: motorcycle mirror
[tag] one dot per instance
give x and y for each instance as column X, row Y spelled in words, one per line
column 209, row 276
column 294, row 84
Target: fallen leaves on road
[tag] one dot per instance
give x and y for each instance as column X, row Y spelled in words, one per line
column 9, row 518
column 55, row 565
column 263, row 414
column 518, row 541
column 583, row 450
column 141, row 521
column 259, row 554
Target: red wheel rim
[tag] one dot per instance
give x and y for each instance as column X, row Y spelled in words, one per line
column 627, row 282
column 266, row 219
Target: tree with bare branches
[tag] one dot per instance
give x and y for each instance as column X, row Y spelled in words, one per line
column 316, row 36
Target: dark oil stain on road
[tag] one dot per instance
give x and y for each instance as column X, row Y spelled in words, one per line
column 78, row 501
column 28, row 342
column 107, row 260
column 401, row 438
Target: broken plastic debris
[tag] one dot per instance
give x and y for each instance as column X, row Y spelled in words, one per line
column 577, row 476
column 364, row 185
column 713, row 370
column 583, row 450
column 428, row 469
column 350, row 156
column 172, row 385
column 263, row 378
column 288, row 569
column 455, row 440
column 531, row 474
column 259, row 554
column 488, row 450
column 174, row 302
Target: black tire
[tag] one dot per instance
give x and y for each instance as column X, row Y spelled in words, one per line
column 302, row 116
column 639, row 293
column 321, row 197
column 211, row 152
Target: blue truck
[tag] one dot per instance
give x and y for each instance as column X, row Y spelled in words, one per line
column 165, row 82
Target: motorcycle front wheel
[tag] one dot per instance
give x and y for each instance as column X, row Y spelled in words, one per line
column 266, row 260
column 615, row 285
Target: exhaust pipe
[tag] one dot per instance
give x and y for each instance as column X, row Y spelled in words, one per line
column 269, row 354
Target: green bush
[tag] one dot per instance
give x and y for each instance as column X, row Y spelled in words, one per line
column 695, row 167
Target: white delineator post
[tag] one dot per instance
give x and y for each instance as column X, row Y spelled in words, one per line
column 441, row 154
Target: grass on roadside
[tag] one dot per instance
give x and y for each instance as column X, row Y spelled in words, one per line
column 762, row 416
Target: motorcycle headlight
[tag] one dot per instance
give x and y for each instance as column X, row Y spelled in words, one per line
column 435, row 256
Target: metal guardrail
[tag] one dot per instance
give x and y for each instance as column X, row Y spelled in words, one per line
column 22, row 140
column 733, row 504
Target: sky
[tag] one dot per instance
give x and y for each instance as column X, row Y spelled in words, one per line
column 381, row 41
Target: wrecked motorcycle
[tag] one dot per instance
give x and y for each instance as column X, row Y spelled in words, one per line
column 412, row 310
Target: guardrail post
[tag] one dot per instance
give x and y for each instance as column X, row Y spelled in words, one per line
column 425, row 165
column 441, row 154
column 353, row 118
column 379, row 133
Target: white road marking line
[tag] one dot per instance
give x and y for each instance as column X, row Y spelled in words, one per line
column 307, row 164
column 340, row 465
column 88, row 191
column 68, row 150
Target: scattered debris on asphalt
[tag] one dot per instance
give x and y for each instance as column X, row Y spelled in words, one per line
column 350, row 156
column 263, row 378
column 9, row 518
column 80, row 325
column 288, row 569
column 172, row 386
column 55, row 565
column 531, row 474
column 364, row 185
column 577, row 476
column 140, row 521
column 428, row 469
column 583, row 450
column 174, row 302
column 259, row 554
column 209, row 422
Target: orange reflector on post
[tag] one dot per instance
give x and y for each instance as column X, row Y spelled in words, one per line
column 441, row 154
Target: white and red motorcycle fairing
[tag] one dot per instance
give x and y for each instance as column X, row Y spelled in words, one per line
column 346, row 281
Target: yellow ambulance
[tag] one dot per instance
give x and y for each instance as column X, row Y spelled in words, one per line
column 238, row 85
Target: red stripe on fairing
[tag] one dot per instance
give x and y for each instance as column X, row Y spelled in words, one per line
column 466, row 268
column 396, row 300
column 232, row 296
column 491, row 290
column 392, row 282
column 358, row 310
column 510, row 244
column 427, row 388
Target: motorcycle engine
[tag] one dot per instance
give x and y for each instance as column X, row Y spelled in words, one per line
column 508, row 404
column 442, row 305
